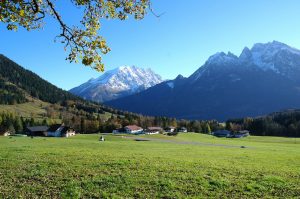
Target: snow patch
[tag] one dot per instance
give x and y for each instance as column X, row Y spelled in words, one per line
column 221, row 58
column 171, row 84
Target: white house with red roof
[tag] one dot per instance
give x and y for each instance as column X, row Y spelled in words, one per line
column 133, row 129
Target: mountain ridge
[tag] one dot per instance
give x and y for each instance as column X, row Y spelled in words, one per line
column 117, row 83
column 227, row 86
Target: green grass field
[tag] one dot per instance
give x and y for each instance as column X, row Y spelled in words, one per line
column 187, row 166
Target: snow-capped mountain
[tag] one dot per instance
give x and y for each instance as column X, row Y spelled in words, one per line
column 263, row 79
column 116, row 83
column 273, row 56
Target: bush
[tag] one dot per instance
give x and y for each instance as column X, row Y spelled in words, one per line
column 172, row 133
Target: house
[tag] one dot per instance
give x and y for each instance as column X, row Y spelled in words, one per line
column 240, row 134
column 221, row 133
column 182, row 130
column 55, row 130
column 36, row 130
column 4, row 133
column 68, row 132
column 60, row 130
column 133, row 129
column 116, row 131
column 170, row 129
column 153, row 130
column 119, row 131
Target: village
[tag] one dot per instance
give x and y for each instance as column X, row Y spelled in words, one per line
column 61, row 130
column 56, row 130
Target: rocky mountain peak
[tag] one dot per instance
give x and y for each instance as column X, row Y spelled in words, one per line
column 118, row 82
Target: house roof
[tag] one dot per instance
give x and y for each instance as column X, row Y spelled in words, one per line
column 133, row 127
column 54, row 127
column 38, row 128
column 60, row 127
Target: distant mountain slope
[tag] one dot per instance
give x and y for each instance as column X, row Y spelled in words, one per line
column 23, row 93
column 32, row 83
column 261, row 80
column 117, row 83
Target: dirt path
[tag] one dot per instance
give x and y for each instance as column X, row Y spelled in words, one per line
column 184, row 142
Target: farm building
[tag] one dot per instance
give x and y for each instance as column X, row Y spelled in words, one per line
column 182, row 130
column 170, row 129
column 119, row 131
column 60, row 130
column 153, row 130
column 221, row 133
column 240, row 134
column 133, row 129
column 36, row 130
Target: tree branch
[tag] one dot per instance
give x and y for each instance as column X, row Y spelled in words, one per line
column 36, row 8
column 152, row 11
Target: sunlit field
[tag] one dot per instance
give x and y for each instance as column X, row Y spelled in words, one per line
column 187, row 166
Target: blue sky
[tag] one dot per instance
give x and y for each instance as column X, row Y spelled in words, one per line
column 179, row 42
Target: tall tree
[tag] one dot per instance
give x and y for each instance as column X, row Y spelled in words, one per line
column 207, row 129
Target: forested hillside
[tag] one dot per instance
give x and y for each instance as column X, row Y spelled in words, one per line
column 10, row 94
column 285, row 123
column 32, row 83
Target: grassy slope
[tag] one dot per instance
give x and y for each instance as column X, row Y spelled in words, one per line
column 35, row 108
column 83, row 167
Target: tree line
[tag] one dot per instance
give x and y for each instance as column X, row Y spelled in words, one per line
column 17, row 124
column 285, row 124
column 97, row 123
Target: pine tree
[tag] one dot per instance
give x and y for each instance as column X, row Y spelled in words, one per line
column 18, row 125
column 207, row 129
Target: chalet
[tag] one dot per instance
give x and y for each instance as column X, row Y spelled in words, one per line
column 182, row 130
column 60, row 130
column 153, row 130
column 36, row 130
column 221, row 133
column 133, row 129
column 170, row 129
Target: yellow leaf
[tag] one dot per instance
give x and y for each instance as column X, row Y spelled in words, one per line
column 22, row 13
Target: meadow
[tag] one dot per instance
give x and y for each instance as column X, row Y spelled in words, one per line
column 186, row 166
